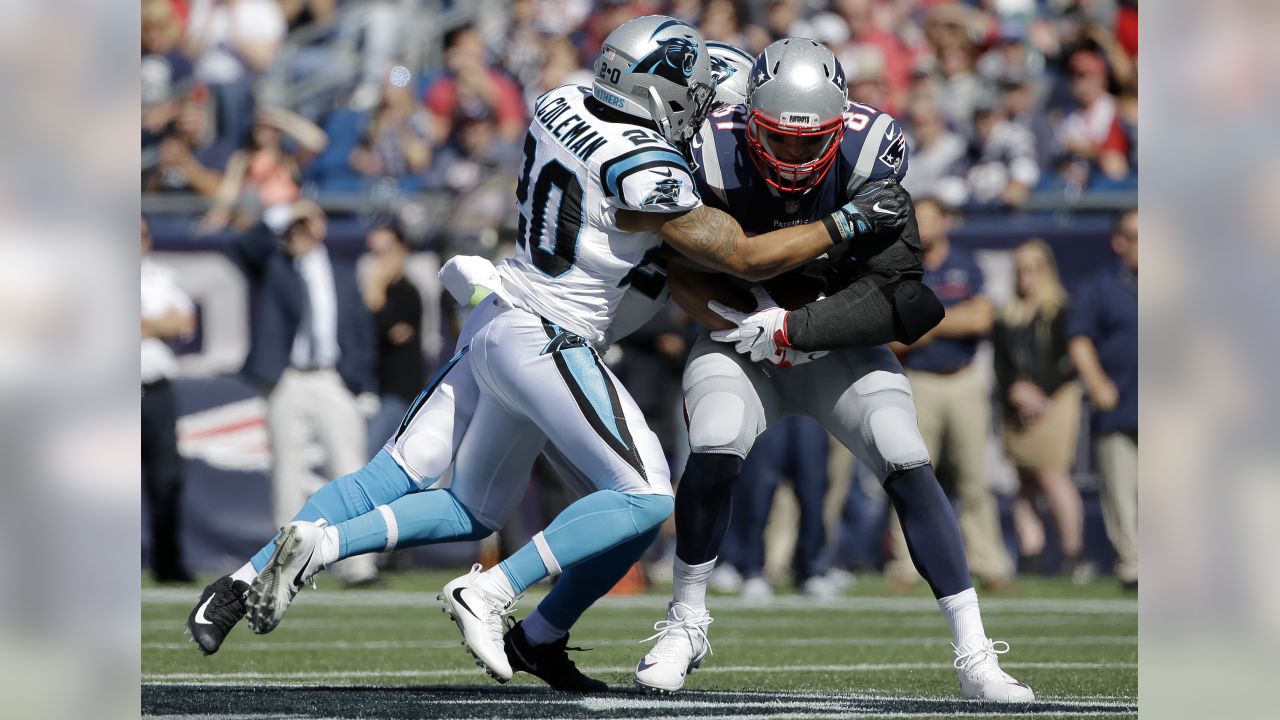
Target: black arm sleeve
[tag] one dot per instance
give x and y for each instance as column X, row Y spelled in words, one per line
column 862, row 313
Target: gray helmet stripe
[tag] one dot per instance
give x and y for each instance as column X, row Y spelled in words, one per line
column 871, row 146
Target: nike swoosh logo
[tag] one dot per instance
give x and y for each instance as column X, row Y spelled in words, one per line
column 664, row 174
column 533, row 667
column 882, row 211
column 457, row 597
column 298, row 579
column 644, row 666
column 759, row 332
column 200, row 618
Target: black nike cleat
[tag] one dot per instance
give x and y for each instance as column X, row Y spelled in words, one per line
column 549, row 662
column 220, row 607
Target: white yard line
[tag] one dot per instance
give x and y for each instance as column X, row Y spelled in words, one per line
column 704, row 698
column 597, row 623
column 940, row 640
column 384, row 598
column 712, row 670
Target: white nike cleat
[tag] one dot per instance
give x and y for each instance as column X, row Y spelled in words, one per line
column 482, row 617
column 294, row 564
column 981, row 677
column 682, row 643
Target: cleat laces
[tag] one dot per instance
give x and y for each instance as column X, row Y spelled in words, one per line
column 692, row 624
column 980, row 660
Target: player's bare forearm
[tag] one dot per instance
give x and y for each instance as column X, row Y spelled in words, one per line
column 714, row 239
column 692, row 290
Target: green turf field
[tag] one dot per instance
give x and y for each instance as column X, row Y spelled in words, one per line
column 391, row 653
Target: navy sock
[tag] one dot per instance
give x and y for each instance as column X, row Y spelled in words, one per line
column 703, row 505
column 931, row 529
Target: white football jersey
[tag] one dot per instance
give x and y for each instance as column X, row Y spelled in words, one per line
column 572, row 263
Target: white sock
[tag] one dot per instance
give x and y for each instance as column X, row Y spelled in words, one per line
column 330, row 543
column 690, row 583
column 962, row 613
column 245, row 574
column 496, row 582
column 539, row 630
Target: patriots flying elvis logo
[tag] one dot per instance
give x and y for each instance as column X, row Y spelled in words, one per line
column 673, row 59
column 760, row 73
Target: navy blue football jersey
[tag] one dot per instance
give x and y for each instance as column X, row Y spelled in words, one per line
column 872, row 148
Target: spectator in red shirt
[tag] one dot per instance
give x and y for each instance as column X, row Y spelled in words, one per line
column 1093, row 135
column 897, row 58
column 472, row 87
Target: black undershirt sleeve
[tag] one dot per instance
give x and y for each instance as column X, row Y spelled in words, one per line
column 862, row 312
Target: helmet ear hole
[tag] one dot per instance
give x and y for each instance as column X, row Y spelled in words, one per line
column 675, row 106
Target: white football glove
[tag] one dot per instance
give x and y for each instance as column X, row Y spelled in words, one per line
column 761, row 334
column 792, row 357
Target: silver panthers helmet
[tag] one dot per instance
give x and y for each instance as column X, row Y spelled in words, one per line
column 796, row 99
column 657, row 68
column 730, row 66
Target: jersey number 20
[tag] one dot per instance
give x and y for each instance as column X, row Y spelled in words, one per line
column 552, row 246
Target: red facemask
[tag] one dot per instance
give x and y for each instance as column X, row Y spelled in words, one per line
column 816, row 144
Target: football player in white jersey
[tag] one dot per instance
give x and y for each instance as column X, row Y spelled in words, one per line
column 604, row 182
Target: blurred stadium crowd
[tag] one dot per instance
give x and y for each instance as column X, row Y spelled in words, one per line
column 388, row 132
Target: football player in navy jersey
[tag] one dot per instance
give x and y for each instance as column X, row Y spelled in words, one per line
column 794, row 152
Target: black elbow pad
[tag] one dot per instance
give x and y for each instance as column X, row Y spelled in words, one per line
column 916, row 309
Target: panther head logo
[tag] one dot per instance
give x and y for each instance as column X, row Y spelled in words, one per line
column 665, row 192
column 673, row 59
column 721, row 69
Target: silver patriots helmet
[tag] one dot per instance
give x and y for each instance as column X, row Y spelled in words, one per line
column 730, row 66
column 657, row 68
column 796, row 99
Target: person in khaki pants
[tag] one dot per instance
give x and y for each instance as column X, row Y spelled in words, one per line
column 952, row 401
column 312, row 352
column 1104, row 346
